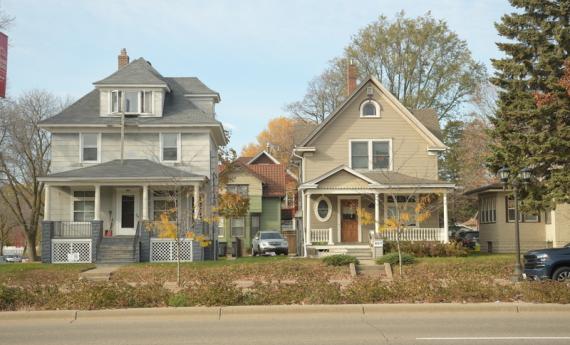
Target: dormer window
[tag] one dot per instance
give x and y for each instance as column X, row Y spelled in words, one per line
column 131, row 102
column 369, row 108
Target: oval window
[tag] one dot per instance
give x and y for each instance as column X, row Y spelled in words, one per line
column 323, row 209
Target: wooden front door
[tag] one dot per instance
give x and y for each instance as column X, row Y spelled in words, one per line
column 349, row 220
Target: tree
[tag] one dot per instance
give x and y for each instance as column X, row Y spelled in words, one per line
column 531, row 126
column 24, row 158
column 277, row 138
column 420, row 60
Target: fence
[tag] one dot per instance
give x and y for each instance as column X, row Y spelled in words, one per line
column 71, row 251
column 164, row 250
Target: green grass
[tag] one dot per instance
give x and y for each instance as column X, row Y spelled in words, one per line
column 38, row 273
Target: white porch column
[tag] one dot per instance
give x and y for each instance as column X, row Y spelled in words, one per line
column 97, row 202
column 145, row 202
column 47, row 216
column 196, row 201
column 377, row 212
column 445, row 221
column 308, row 234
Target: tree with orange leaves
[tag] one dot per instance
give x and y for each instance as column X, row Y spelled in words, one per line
column 277, row 139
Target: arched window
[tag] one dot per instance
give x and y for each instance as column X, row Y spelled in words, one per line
column 369, row 108
column 323, row 209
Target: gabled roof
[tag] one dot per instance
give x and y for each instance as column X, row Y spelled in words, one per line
column 261, row 157
column 413, row 120
column 272, row 176
column 337, row 170
column 138, row 72
column 125, row 170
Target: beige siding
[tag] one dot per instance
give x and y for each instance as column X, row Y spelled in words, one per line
column 409, row 147
column 343, row 179
column 561, row 221
column 255, row 188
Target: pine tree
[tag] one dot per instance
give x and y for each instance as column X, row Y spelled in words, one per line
column 532, row 124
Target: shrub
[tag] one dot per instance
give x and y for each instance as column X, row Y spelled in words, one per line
column 393, row 259
column 9, row 297
column 178, row 300
column 427, row 248
column 340, row 260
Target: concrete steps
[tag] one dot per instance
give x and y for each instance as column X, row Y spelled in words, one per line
column 370, row 268
column 363, row 253
column 116, row 250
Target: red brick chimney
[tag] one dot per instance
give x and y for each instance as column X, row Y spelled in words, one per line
column 351, row 75
column 123, row 58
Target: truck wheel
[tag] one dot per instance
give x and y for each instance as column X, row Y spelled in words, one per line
column 562, row 274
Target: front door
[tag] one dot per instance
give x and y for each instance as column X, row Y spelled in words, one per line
column 349, row 220
column 127, row 212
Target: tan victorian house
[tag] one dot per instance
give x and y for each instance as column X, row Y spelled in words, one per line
column 368, row 155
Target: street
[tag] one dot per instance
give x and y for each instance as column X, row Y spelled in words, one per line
column 346, row 325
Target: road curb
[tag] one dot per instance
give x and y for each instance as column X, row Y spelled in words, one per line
column 220, row 312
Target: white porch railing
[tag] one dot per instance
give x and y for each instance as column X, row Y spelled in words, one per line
column 320, row 236
column 412, row 234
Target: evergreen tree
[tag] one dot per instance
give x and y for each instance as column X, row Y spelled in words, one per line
column 532, row 125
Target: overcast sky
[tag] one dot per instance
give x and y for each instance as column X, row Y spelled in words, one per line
column 259, row 55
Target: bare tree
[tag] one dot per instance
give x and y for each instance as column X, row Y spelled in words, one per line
column 24, row 158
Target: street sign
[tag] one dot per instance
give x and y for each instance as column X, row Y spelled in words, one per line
column 3, row 63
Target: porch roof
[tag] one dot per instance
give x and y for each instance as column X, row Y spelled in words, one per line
column 128, row 169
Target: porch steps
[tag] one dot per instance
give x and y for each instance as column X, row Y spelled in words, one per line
column 370, row 268
column 116, row 250
column 363, row 253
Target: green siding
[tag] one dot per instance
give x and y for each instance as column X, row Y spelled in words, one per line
column 271, row 215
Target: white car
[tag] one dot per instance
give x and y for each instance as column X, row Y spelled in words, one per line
column 269, row 242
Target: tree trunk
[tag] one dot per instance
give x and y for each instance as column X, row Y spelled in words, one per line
column 31, row 245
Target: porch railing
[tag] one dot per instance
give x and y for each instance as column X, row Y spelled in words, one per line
column 411, row 234
column 323, row 236
column 68, row 229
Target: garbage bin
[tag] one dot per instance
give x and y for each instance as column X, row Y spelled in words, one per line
column 236, row 247
column 222, row 248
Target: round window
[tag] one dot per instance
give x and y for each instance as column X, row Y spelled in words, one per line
column 323, row 209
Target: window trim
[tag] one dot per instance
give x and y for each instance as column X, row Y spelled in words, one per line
column 488, row 210
column 522, row 215
column 161, row 198
column 121, row 97
column 81, row 160
column 236, row 185
column 376, row 105
column 178, row 147
column 370, row 155
column 141, row 96
column 74, row 198
column 316, row 208
column 232, row 226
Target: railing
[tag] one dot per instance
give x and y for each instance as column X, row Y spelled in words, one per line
column 286, row 224
column 411, row 234
column 323, row 236
column 66, row 229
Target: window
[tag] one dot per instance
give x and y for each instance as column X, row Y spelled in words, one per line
column 164, row 202
column 131, row 101
column 83, row 206
column 323, row 209
column 371, row 154
column 238, row 227
column 406, row 204
column 527, row 218
column 255, row 224
column 369, row 108
column 240, row 189
column 221, row 228
column 488, row 210
column 169, row 147
column 89, row 147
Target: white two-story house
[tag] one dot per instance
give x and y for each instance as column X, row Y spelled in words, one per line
column 137, row 145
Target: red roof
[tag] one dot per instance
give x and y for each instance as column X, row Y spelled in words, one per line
column 272, row 176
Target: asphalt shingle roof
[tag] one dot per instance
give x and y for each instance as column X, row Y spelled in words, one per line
column 129, row 168
column 396, row 178
column 138, row 72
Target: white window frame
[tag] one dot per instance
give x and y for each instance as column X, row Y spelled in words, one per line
column 163, row 198
column 74, row 199
column 119, row 95
column 121, row 105
column 488, row 209
column 232, row 227
column 98, row 160
column 370, row 151
column 237, row 186
column 316, row 208
column 178, row 147
column 376, row 105
column 146, row 112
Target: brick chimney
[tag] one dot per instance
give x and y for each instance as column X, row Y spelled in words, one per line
column 351, row 75
column 123, row 58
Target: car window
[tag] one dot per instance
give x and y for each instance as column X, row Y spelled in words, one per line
column 270, row 236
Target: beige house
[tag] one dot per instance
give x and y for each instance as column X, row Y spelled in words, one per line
column 549, row 228
column 370, row 154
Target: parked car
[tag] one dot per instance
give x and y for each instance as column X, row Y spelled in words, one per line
column 469, row 239
column 455, row 230
column 13, row 258
column 269, row 242
column 549, row 263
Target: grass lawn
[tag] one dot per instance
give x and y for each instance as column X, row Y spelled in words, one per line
column 38, row 273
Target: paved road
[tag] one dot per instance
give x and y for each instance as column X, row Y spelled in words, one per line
column 326, row 327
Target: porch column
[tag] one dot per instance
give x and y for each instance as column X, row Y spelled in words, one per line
column 145, row 202
column 377, row 213
column 47, row 216
column 308, row 234
column 196, row 201
column 97, row 202
column 445, row 221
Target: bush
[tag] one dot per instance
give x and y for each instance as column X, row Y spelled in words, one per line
column 393, row 259
column 340, row 260
column 427, row 248
column 178, row 300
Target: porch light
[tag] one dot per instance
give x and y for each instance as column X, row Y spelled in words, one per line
column 525, row 175
column 504, row 174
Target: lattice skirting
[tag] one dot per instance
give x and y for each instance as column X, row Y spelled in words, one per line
column 164, row 250
column 71, row 251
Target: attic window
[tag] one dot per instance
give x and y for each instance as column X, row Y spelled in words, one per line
column 131, row 102
column 369, row 108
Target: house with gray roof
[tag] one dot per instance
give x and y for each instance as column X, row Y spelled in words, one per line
column 137, row 147
column 369, row 162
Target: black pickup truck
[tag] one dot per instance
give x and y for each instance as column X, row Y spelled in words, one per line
column 550, row 263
